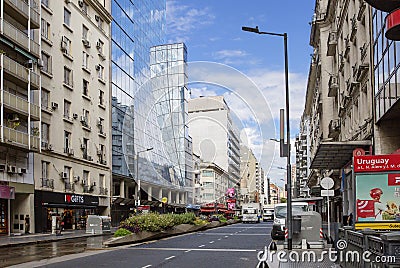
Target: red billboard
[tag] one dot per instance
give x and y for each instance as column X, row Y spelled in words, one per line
column 376, row 163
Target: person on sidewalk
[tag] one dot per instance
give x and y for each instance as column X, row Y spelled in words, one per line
column 27, row 224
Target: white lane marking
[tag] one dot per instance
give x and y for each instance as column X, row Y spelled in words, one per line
column 211, row 242
column 201, row 246
column 147, row 266
column 171, row 257
column 198, row 249
column 187, row 250
column 219, row 238
column 226, row 236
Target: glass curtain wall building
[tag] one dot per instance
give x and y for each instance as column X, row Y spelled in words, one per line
column 169, row 79
column 137, row 25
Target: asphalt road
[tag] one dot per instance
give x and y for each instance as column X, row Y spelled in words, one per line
column 229, row 246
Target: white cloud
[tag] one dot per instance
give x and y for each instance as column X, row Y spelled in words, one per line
column 182, row 20
column 196, row 92
column 222, row 54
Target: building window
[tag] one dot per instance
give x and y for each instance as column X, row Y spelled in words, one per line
column 67, row 140
column 45, row 29
column 84, row 6
column 85, row 60
column 85, row 31
column 85, row 87
column 67, row 17
column 46, row 62
column 67, row 109
column 85, row 119
column 67, row 172
column 101, row 153
column 85, row 177
column 100, row 124
column 68, row 76
column 45, row 3
column 100, row 46
column 45, row 169
column 100, row 71
column 45, row 96
column 84, row 147
column 207, row 173
column 101, row 180
column 100, row 22
column 45, row 134
column 101, row 97
column 66, row 45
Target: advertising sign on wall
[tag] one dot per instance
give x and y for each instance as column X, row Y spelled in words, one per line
column 377, row 191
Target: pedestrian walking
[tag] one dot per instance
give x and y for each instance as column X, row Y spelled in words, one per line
column 27, row 224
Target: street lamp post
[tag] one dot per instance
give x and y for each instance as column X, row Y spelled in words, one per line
column 287, row 146
column 137, row 176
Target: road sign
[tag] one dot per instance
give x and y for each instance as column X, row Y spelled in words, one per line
column 327, row 183
column 164, row 200
column 327, row 192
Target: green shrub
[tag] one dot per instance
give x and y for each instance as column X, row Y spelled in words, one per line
column 122, row 232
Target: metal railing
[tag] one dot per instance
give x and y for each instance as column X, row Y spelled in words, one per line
column 15, row 68
column 16, row 136
column 47, row 183
column 15, row 102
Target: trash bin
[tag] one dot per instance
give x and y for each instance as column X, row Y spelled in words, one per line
column 296, row 223
column 98, row 224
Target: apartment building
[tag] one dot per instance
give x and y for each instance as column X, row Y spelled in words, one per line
column 339, row 94
column 302, row 159
column 20, row 117
column 72, row 172
column 250, row 171
column 214, row 135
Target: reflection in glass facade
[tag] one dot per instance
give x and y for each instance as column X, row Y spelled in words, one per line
column 386, row 65
column 169, row 79
column 137, row 26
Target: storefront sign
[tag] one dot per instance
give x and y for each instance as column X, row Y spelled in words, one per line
column 376, row 163
column 378, row 226
column 7, row 192
column 74, row 199
column 65, row 200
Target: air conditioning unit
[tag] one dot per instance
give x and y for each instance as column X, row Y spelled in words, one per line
column 93, row 184
column 50, row 147
column 97, row 67
column 54, row 105
column 29, row 64
column 76, row 178
column 99, row 152
column 21, row 171
column 89, row 158
column 11, row 169
column 84, row 182
column 83, row 119
column 83, row 146
column 86, row 43
column 98, row 44
column 80, row 3
column 96, row 17
column 64, row 175
column 99, row 123
column 75, row 116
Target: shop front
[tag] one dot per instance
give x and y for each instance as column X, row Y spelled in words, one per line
column 6, row 194
column 72, row 209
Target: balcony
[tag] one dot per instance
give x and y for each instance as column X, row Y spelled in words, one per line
column 20, row 11
column 20, row 105
column 20, row 139
column 20, row 38
column 362, row 71
column 20, row 72
column 332, row 44
column 47, row 183
column 333, row 85
column 353, row 28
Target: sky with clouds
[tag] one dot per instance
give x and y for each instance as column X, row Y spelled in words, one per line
column 247, row 68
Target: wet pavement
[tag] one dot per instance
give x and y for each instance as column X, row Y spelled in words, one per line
column 33, row 252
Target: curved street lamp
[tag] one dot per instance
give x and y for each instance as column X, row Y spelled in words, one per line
column 285, row 148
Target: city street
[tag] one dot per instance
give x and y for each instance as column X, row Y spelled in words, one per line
column 230, row 246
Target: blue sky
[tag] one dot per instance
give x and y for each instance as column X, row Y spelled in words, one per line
column 212, row 32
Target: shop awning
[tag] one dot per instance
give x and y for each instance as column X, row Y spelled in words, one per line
column 336, row 154
column 207, row 210
column 123, row 201
column 150, row 203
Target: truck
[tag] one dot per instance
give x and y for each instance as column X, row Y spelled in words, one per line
column 268, row 212
column 251, row 212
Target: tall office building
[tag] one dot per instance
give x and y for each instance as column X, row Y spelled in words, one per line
column 215, row 137
column 20, row 110
column 72, row 172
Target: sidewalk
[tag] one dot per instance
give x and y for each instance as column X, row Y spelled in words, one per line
column 9, row 241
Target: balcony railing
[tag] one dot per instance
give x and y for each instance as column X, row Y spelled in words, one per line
column 20, row 71
column 47, row 183
column 23, row 8
column 20, row 138
column 15, row 103
column 20, row 38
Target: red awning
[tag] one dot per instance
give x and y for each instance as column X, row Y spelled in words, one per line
column 207, row 210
